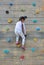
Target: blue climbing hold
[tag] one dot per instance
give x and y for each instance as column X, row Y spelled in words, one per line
column 37, row 28
column 34, row 21
column 33, row 3
column 8, row 40
column 11, row 4
column 33, row 49
column 6, row 51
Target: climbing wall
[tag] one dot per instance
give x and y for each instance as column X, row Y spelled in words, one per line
column 10, row 11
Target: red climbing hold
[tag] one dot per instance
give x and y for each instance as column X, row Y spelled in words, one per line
column 22, row 57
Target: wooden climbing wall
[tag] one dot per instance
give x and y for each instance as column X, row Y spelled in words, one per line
column 10, row 11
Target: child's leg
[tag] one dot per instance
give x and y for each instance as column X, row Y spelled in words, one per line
column 23, row 38
column 17, row 38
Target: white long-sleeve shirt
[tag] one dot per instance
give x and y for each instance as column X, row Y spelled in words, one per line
column 18, row 27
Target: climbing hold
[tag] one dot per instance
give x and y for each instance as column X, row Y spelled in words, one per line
column 23, row 10
column 33, row 4
column 35, row 39
column 42, row 51
column 33, row 49
column 19, row 45
column 6, row 51
column 3, row 30
column 34, row 21
column 9, row 40
column 7, row 29
column 22, row 57
column 11, row 4
column 10, row 20
column 37, row 28
column 42, row 8
column 37, row 11
column 25, row 17
column 7, row 12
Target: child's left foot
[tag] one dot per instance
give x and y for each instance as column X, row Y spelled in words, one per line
column 17, row 43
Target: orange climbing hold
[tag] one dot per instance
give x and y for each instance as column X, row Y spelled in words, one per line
column 42, row 51
column 42, row 8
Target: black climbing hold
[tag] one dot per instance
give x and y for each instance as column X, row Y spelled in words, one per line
column 7, row 12
column 25, row 17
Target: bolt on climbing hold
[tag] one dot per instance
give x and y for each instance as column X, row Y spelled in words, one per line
column 6, row 51
column 34, row 21
column 10, row 20
column 33, row 3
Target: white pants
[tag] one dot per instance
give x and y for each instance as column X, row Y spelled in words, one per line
column 22, row 36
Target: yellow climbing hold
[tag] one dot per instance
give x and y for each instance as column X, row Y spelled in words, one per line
column 10, row 20
column 3, row 30
column 19, row 45
column 37, row 11
column 35, row 39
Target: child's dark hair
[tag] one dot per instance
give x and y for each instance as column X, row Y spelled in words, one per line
column 21, row 18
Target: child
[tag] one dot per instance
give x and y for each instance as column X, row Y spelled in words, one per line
column 20, row 31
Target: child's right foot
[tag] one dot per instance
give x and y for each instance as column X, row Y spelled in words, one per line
column 23, row 47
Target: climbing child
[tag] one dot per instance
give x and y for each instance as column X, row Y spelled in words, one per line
column 20, row 31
